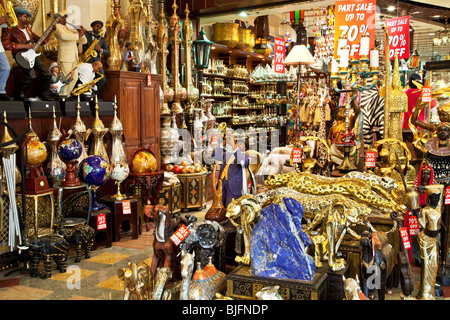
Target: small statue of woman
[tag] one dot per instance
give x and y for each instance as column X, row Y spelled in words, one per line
column 309, row 164
column 385, row 167
column 430, row 221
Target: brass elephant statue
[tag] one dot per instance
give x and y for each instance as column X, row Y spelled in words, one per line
column 137, row 280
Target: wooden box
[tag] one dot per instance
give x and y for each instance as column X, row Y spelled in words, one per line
column 335, row 282
column 193, row 190
column 170, row 196
column 243, row 285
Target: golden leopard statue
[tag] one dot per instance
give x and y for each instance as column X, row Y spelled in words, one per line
column 362, row 191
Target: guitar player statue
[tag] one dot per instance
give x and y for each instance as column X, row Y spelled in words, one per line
column 20, row 40
column 58, row 78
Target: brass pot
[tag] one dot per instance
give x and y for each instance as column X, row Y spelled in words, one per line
column 252, row 42
column 244, row 39
column 226, row 34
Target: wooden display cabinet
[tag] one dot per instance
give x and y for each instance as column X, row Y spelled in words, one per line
column 138, row 108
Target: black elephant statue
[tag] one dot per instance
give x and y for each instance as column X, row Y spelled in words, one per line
column 48, row 247
column 378, row 259
column 80, row 236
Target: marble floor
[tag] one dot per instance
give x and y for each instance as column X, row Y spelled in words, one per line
column 98, row 275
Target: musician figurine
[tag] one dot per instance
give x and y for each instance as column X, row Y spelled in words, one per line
column 96, row 48
column 68, row 52
column 58, row 79
column 88, row 78
column 130, row 58
column 18, row 40
column 5, row 68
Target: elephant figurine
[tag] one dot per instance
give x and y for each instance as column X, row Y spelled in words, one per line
column 48, row 247
column 137, row 280
column 80, row 236
column 377, row 265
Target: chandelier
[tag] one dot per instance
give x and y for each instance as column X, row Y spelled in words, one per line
column 442, row 36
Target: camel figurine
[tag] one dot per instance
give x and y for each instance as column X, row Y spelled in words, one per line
column 164, row 250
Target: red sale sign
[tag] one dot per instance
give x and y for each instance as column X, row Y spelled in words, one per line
column 354, row 18
column 405, row 238
column 101, row 222
column 280, row 55
column 398, row 31
column 426, row 94
column 447, row 196
column 180, row 235
column 371, row 157
column 414, row 228
column 126, row 207
column 297, row 155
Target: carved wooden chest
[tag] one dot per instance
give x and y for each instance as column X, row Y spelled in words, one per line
column 242, row 285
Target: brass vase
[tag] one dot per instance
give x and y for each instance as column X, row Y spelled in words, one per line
column 226, row 33
column 117, row 30
column 79, row 132
column 151, row 26
column 55, row 168
column 136, row 16
column 162, row 39
column 98, row 131
column 175, row 42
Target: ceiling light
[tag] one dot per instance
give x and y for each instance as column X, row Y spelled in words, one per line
column 436, row 16
column 391, row 8
column 242, row 14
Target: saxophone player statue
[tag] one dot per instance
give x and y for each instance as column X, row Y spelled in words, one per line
column 175, row 41
column 162, row 41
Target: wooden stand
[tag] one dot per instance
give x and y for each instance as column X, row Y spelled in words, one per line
column 193, row 190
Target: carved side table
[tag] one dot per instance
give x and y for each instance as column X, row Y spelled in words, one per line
column 193, row 190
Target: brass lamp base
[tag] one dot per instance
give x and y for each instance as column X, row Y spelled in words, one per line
column 346, row 165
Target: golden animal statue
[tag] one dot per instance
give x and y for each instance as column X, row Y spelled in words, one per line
column 243, row 213
column 334, row 224
column 362, row 191
column 8, row 10
column 91, row 52
column 137, row 280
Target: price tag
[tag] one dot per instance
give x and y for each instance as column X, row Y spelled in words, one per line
column 447, row 196
column 354, row 18
column 398, row 31
column 279, row 54
column 405, row 238
column 149, row 80
column 426, row 94
column 101, row 222
column 214, row 139
column 297, row 155
column 414, row 228
column 126, row 207
column 371, row 157
column 180, row 235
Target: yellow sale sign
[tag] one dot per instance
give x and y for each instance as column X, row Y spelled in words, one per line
column 354, row 18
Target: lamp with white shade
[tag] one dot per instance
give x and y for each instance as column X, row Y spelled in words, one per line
column 299, row 56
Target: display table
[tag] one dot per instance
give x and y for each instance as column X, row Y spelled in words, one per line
column 122, row 213
column 101, row 222
column 242, row 285
column 193, row 190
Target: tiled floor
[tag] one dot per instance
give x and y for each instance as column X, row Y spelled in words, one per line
column 98, row 275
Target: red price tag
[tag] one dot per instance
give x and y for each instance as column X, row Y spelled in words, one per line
column 214, row 139
column 297, row 155
column 126, row 207
column 149, row 80
column 426, row 94
column 405, row 238
column 180, row 235
column 447, row 196
column 414, row 228
column 101, row 222
column 398, row 31
column 371, row 157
